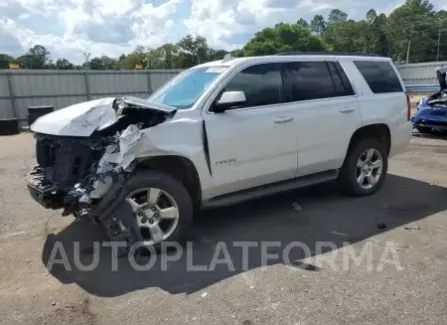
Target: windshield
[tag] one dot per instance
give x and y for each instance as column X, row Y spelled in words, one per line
column 184, row 90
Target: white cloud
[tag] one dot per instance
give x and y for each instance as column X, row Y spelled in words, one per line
column 68, row 28
column 67, row 47
column 220, row 21
column 392, row 6
column 100, row 27
column 226, row 23
column 24, row 16
column 124, row 22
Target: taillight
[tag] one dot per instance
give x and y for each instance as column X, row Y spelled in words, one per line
column 408, row 107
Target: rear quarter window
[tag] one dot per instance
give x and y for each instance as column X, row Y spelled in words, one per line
column 380, row 76
column 315, row 80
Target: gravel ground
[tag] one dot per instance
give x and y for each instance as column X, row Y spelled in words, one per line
column 403, row 281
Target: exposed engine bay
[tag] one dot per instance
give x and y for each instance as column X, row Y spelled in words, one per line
column 437, row 100
column 83, row 175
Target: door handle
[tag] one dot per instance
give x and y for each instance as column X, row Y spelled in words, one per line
column 347, row 109
column 283, row 119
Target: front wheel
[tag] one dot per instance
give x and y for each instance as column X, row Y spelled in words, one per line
column 365, row 168
column 161, row 205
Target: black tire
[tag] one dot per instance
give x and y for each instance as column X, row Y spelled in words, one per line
column 424, row 130
column 347, row 178
column 9, row 126
column 175, row 188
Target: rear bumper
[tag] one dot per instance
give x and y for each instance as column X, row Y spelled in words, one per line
column 42, row 191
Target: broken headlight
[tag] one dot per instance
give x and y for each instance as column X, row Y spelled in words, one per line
column 119, row 105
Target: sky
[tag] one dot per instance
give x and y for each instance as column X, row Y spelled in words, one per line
column 70, row 28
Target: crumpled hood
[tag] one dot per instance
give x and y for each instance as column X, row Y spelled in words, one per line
column 80, row 119
column 84, row 118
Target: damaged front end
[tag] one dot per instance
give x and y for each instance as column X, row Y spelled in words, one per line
column 83, row 174
column 431, row 111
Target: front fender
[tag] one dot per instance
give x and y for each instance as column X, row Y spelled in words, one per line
column 180, row 137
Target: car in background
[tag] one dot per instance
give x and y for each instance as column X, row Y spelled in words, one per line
column 431, row 114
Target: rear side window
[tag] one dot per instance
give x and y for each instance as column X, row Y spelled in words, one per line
column 341, row 82
column 262, row 85
column 380, row 76
column 314, row 80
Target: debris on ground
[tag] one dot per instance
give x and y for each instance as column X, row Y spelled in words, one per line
column 412, row 228
column 297, row 207
column 381, row 225
column 339, row 234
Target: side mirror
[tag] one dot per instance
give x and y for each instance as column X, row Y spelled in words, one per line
column 229, row 99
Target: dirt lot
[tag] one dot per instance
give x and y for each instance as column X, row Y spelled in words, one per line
column 409, row 214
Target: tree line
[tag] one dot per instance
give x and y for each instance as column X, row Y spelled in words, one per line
column 413, row 32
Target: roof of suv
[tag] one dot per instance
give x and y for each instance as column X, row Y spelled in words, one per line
column 292, row 57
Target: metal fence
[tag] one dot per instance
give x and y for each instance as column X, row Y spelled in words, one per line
column 416, row 74
column 20, row 89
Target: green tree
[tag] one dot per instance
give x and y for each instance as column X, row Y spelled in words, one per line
column 284, row 38
column 168, row 55
column 335, row 22
column 412, row 28
column 36, row 57
column 441, row 35
column 318, row 24
column 237, row 53
column 64, row 64
column 350, row 37
column 191, row 51
column 109, row 63
column 216, row 54
column 137, row 56
column 380, row 42
column 337, row 16
column 5, row 59
column 302, row 22
column 50, row 65
column 371, row 15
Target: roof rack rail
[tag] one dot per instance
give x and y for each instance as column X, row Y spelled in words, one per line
column 331, row 53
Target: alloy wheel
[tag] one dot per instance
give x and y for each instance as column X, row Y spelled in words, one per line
column 369, row 168
column 156, row 212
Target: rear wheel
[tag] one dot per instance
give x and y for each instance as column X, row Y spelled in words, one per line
column 161, row 207
column 365, row 168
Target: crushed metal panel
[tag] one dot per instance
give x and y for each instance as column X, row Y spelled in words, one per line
column 80, row 119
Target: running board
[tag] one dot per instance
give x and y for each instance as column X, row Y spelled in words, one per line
column 270, row 189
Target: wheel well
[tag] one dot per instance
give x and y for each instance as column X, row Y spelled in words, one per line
column 380, row 131
column 180, row 168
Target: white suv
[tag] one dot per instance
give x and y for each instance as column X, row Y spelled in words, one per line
column 220, row 133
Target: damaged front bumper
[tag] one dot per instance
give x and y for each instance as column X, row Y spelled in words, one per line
column 76, row 173
column 42, row 191
column 435, row 125
column 430, row 118
column 84, row 162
